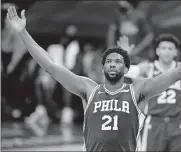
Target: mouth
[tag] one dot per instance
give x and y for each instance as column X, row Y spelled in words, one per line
column 112, row 72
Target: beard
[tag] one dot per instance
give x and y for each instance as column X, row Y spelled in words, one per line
column 114, row 78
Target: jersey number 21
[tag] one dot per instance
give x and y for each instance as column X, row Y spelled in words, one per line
column 107, row 125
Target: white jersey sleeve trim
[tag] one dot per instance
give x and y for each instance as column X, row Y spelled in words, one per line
column 147, row 127
column 134, row 98
column 84, row 146
column 141, row 118
column 90, row 98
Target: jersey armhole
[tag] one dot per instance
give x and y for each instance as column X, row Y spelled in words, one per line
column 134, row 98
column 90, row 98
column 141, row 116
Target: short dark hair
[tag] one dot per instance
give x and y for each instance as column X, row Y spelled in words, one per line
column 166, row 37
column 117, row 50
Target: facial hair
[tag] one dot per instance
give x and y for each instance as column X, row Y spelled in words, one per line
column 117, row 77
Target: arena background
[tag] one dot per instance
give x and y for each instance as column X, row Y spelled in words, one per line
column 49, row 22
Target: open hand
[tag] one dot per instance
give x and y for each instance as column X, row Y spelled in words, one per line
column 123, row 43
column 18, row 24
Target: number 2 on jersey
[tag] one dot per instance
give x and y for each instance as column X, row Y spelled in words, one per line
column 167, row 97
column 107, row 126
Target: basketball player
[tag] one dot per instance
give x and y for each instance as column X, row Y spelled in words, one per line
column 111, row 112
column 162, row 129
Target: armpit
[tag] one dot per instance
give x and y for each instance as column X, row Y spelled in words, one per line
column 83, row 95
column 143, row 93
column 142, row 97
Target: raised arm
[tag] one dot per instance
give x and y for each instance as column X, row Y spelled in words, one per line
column 73, row 83
column 150, row 87
column 147, row 88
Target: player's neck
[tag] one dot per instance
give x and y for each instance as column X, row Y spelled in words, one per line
column 113, row 86
column 165, row 66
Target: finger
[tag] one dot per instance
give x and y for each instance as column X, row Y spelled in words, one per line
column 121, row 38
column 8, row 19
column 14, row 11
column 124, row 42
column 125, row 38
column 118, row 44
column 23, row 14
column 10, row 12
column 121, row 41
column 7, row 15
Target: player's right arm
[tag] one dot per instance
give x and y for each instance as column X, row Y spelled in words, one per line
column 78, row 85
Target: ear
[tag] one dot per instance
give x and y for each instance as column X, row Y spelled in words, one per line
column 157, row 52
column 126, row 70
column 102, row 71
column 176, row 52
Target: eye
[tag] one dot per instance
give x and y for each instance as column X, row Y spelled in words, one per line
column 171, row 49
column 162, row 48
column 108, row 61
column 118, row 61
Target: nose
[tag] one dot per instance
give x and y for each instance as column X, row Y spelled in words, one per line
column 167, row 50
column 113, row 65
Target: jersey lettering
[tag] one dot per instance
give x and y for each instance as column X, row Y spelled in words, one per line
column 109, row 105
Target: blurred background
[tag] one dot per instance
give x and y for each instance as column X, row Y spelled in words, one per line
column 36, row 111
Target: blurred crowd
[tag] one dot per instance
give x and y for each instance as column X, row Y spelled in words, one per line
column 30, row 94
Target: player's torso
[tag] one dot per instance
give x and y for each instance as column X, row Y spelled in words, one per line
column 111, row 121
column 167, row 103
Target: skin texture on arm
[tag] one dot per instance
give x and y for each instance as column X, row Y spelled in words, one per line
column 147, row 88
column 78, row 85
